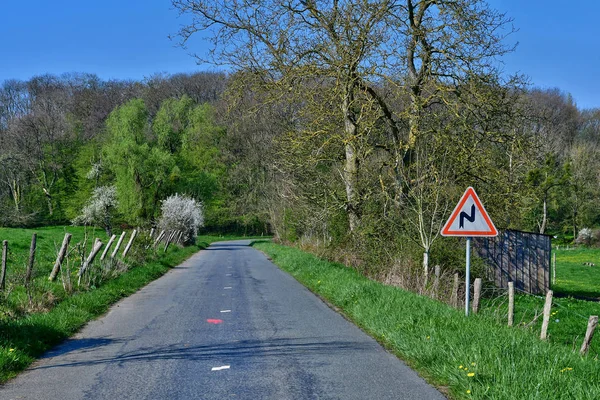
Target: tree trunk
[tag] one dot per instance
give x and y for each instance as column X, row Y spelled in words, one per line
column 350, row 180
column 425, row 269
column 413, row 119
column 49, row 201
column 544, row 216
column 351, row 165
column 15, row 190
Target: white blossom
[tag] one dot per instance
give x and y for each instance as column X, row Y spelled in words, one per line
column 98, row 210
column 94, row 172
column 182, row 213
column 585, row 236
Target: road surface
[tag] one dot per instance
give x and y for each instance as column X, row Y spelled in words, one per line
column 226, row 324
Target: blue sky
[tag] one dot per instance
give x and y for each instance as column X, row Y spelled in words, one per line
column 559, row 43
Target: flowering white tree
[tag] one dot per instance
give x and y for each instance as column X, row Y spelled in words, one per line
column 100, row 208
column 182, row 213
column 585, row 236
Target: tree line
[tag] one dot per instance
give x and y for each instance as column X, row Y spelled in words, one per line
column 351, row 127
column 71, row 140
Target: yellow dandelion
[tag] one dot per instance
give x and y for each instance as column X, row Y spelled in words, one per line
column 428, row 337
column 11, row 350
column 473, row 364
column 471, row 374
column 460, row 367
column 468, row 392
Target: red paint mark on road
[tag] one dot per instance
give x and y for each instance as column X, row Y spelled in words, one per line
column 214, row 321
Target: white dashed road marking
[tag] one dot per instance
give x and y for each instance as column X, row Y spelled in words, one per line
column 226, row 311
column 220, row 368
column 227, row 287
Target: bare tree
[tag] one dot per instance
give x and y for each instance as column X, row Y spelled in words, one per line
column 423, row 48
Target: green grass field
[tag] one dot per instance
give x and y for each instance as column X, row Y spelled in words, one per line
column 573, row 277
column 568, row 322
column 27, row 330
column 478, row 357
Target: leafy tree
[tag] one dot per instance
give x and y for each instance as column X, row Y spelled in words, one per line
column 171, row 121
column 141, row 169
column 100, row 209
column 335, row 58
column 182, row 213
column 552, row 174
column 188, row 132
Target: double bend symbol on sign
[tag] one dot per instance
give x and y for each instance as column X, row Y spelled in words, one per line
column 469, row 218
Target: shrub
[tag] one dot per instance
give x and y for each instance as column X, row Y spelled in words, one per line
column 182, row 213
column 100, row 208
column 585, row 236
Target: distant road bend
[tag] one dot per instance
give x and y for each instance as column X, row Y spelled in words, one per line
column 226, row 324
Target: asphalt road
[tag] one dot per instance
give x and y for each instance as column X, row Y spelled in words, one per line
column 226, row 324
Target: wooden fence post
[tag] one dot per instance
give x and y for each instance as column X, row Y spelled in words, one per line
column 546, row 321
column 554, row 268
column 511, row 303
column 128, row 247
column 476, row 295
column 436, row 281
column 454, row 297
column 105, row 252
column 97, row 246
column 159, row 238
column 3, row 272
column 168, row 241
column 589, row 334
column 116, row 250
column 61, row 256
column 29, row 272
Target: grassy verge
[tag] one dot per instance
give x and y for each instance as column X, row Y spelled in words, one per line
column 24, row 338
column 568, row 321
column 573, row 277
column 473, row 357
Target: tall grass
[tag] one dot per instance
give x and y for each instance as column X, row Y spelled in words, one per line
column 474, row 357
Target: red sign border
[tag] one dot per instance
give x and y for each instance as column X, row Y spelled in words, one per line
column 470, row 192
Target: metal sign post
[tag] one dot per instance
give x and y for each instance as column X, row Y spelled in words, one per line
column 469, row 219
column 468, row 277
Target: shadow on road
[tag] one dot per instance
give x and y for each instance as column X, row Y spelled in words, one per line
column 81, row 346
column 229, row 247
column 245, row 350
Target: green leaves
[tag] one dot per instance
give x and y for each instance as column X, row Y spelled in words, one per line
column 177, row 151
column 140, row 167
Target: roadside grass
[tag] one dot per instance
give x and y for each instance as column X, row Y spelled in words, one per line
column 25, row 335
column 14, row 301
column 468, row 358
column 568, row 319
column 573, row 277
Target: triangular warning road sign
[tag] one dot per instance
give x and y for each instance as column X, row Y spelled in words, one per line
column 469, row 218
